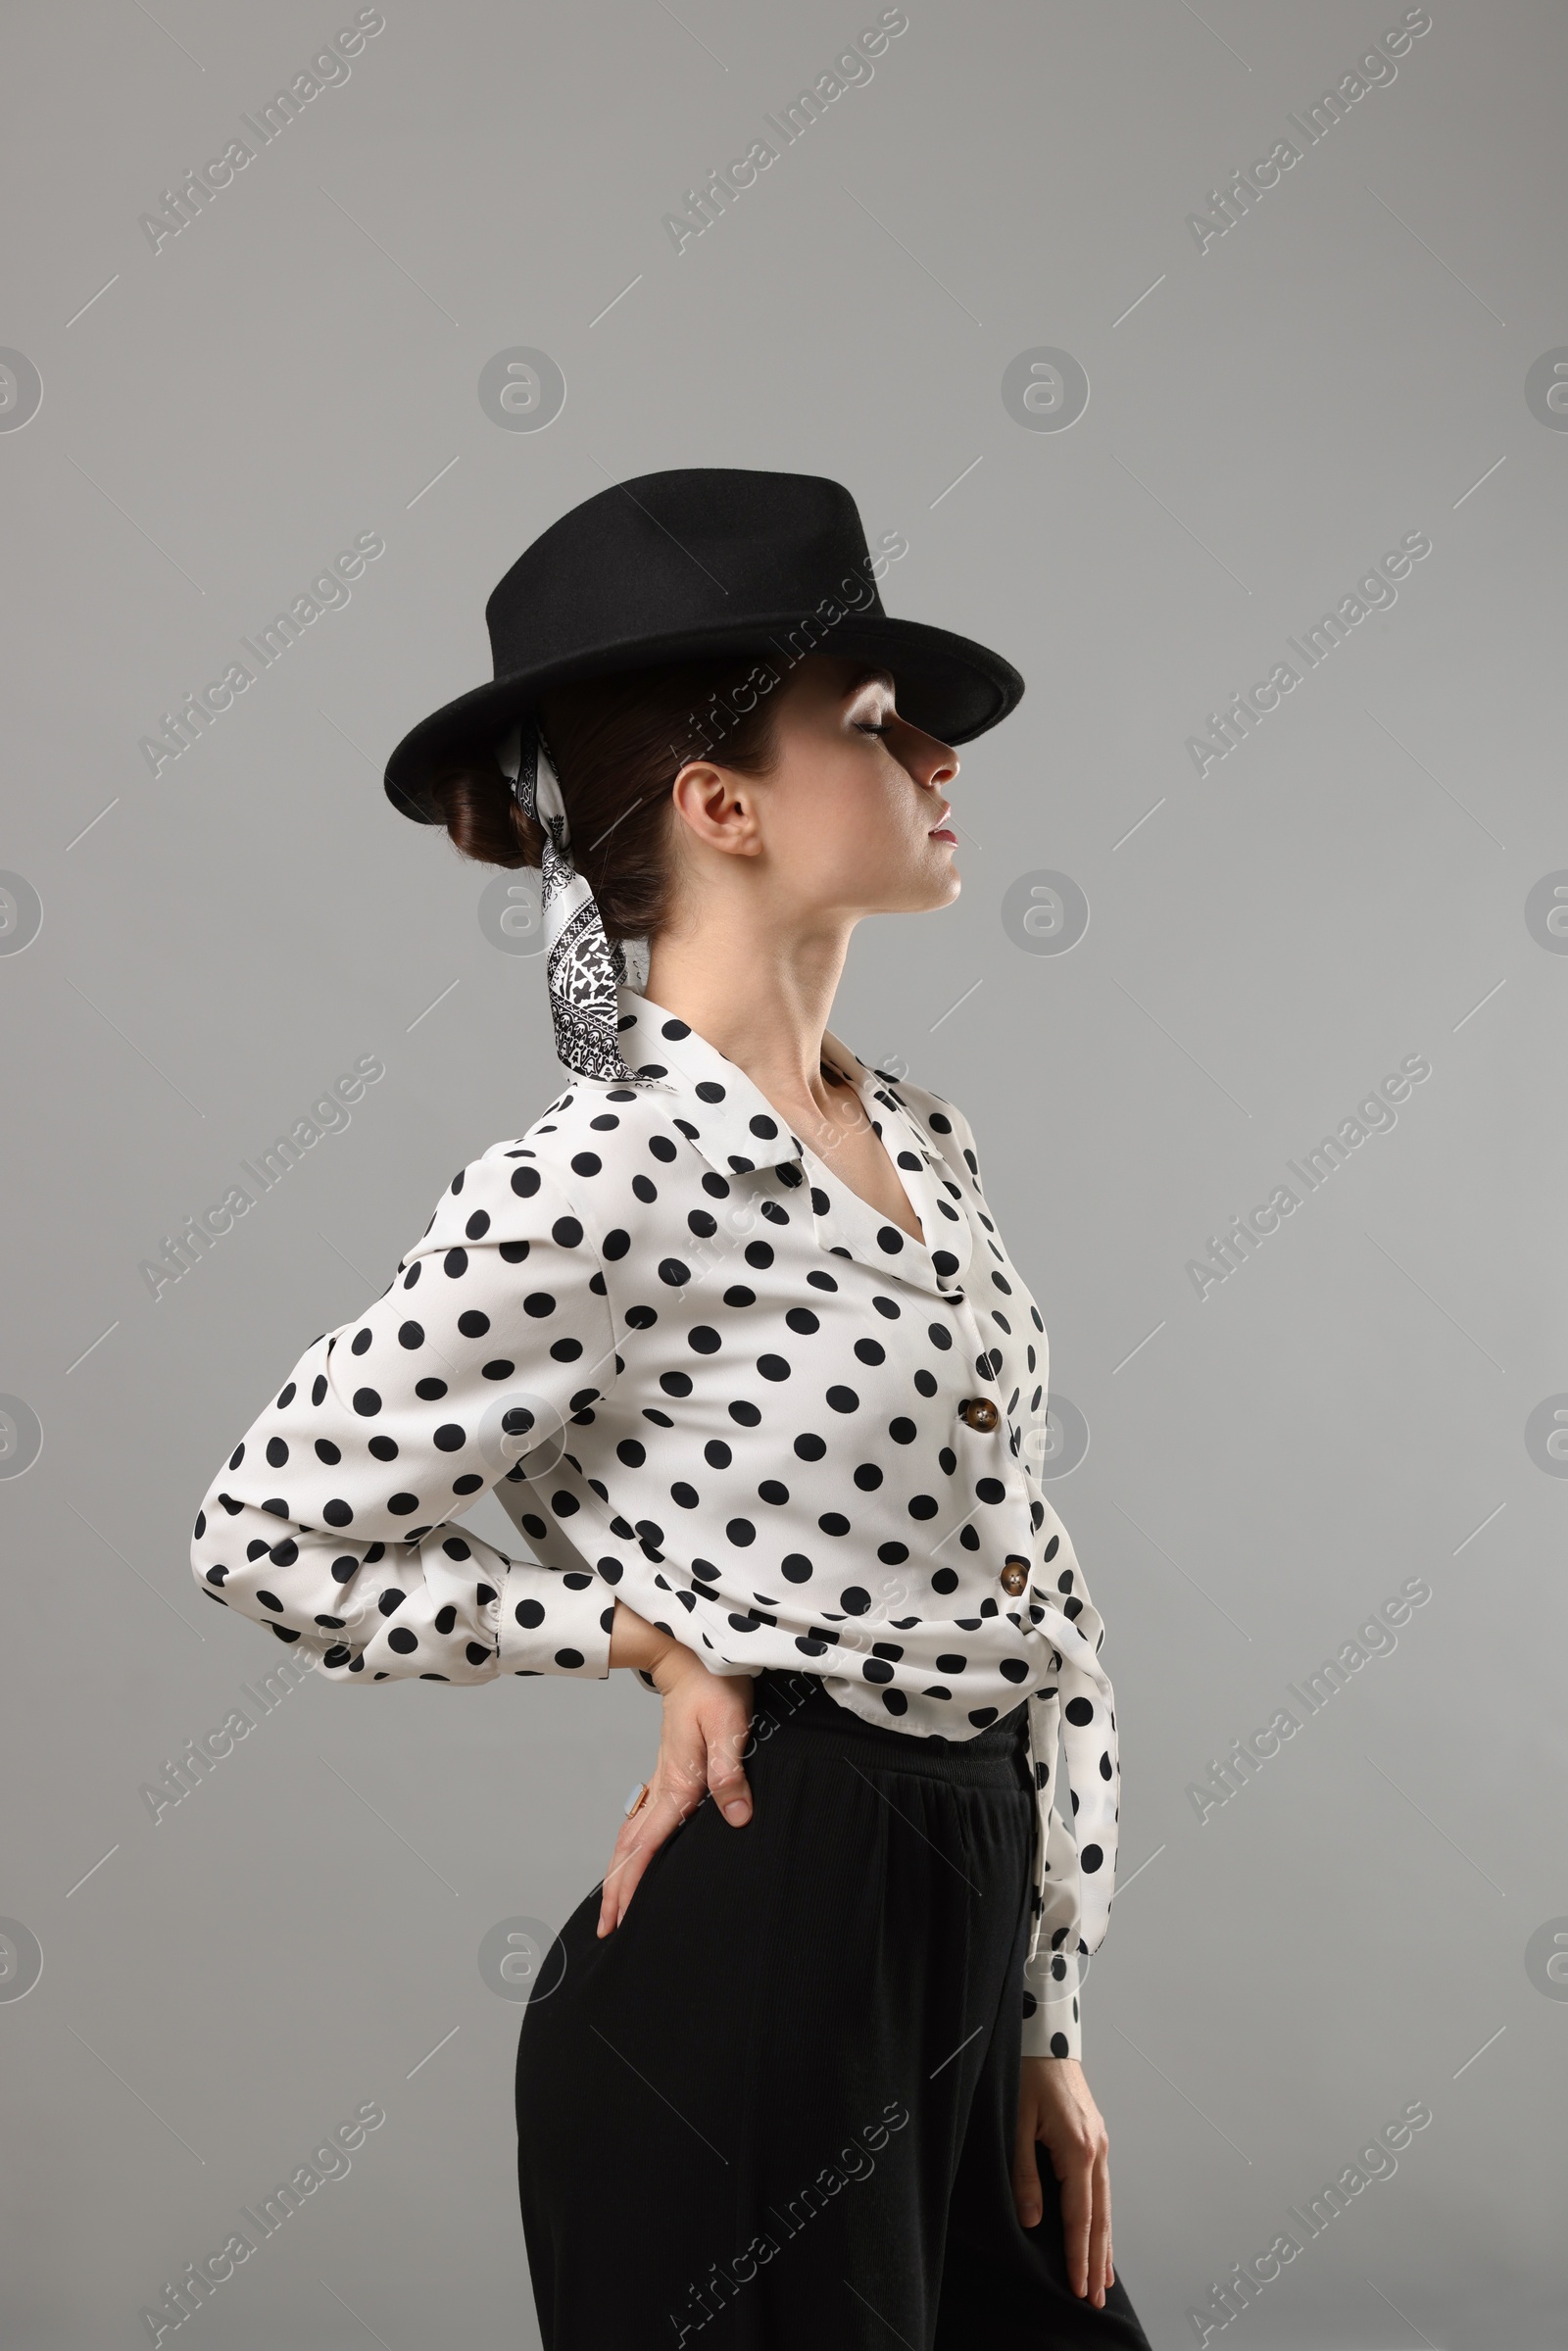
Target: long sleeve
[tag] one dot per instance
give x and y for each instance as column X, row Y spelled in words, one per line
column 1052, row 2025
column 334, row 1520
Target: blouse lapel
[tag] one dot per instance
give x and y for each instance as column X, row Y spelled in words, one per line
column 937, row 1263
column 736, row 1128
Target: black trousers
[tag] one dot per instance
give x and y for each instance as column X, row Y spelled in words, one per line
column 774, row 2109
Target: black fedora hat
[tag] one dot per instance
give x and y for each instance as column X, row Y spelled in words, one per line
column 686, row 564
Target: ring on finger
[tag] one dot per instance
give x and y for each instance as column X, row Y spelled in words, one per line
column 636, row 1801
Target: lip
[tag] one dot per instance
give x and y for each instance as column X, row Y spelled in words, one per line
column 942, row 830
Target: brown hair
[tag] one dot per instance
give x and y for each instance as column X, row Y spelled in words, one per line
column 618, row 745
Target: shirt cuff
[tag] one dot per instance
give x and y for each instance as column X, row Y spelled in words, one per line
column 554, row 1621
column 1052, row 2025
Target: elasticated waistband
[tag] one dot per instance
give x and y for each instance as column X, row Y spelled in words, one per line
column 795, row 1706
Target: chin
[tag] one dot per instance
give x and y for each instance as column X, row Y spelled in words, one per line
column 931, row 880
column 945, row 888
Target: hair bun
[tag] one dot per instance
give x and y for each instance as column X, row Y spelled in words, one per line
column 616, row 745
column 482, row 817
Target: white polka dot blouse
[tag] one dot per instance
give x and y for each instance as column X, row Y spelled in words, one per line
column 702, row 1374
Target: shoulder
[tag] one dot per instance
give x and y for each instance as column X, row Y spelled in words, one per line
column 598, row 1135
column 501, row 1203
column 552, row 1177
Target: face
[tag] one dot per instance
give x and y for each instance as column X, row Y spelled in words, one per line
column 850, row 818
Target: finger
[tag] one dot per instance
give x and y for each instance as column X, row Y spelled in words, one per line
column 625, row 1857
column 1027, row 2195
column 679, row 1783
column 610, row 1889
column 1099, row 2233
column 650, row 1827
column 1076, row 2214
column 726, row 1781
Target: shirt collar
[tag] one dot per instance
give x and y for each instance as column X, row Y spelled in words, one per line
column 729, row 1119
column 723, row 1112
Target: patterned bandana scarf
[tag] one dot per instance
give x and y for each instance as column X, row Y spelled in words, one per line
column 585, row 969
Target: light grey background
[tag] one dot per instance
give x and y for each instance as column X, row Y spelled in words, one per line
column 1346, row 888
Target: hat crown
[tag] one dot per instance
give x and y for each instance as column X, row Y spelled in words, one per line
column 690, row 549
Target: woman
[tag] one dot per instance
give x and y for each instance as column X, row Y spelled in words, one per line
column 733, row 1335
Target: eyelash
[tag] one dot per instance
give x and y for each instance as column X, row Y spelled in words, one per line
column 869, row 730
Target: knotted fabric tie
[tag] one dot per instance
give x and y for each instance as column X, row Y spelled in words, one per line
column 584, row 969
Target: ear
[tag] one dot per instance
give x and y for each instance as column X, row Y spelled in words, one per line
column 717, row 806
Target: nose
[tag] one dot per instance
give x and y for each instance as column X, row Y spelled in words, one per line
column 934, row 764
column 931, row 763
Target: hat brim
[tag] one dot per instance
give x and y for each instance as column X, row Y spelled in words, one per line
column 946, row 684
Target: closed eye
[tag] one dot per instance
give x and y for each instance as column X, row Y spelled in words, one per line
column 869, row 730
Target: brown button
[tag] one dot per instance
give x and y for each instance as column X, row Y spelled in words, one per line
column 1016, row 1575
column 979, row 1412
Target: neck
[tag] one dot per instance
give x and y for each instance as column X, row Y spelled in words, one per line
column 761, row 999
